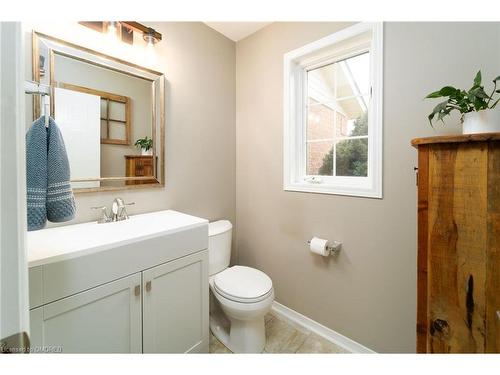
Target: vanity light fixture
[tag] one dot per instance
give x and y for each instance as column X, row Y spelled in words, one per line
column 124, row 30
column 112, row 28
column 149, row 36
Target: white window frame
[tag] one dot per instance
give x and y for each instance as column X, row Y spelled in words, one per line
column 296, row 65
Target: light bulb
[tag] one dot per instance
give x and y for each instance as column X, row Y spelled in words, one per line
column 112, row 30
column 150, row 55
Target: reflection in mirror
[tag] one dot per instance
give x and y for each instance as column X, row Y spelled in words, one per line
column 110, row 114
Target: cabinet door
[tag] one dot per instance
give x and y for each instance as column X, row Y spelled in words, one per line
column 457, row 243
column 175, row 306
column 105, row 319
column 493, row 252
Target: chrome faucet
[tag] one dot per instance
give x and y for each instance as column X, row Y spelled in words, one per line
column 118, row 211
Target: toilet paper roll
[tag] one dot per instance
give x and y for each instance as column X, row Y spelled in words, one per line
column 319, row 246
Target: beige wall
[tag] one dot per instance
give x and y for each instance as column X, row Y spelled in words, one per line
column 369, row 292
column 199, row 66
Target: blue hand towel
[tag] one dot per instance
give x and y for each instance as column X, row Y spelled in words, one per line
column 49, row 192
column 36, row 174
column 60, row 200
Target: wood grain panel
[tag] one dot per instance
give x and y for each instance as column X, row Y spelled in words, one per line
column 423, row 191
column 456, row 138
column 139, row 166
column 493, row 252
column 456, row 247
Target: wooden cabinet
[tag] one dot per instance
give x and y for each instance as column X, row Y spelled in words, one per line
column 163, row 309
column 175, row 306
column 458, row 244
column 139, row 166
column 105, row 319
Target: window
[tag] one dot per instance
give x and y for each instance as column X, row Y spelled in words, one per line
column 333, row 114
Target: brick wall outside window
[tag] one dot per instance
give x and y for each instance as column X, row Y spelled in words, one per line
column 320, row 125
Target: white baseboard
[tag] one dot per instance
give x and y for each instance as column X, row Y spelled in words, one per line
column 310, row 325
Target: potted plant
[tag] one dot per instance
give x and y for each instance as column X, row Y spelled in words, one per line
column 145, row 144
column 479, row 110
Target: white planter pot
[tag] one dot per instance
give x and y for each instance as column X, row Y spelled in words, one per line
column 147, row 153
column 485, row 121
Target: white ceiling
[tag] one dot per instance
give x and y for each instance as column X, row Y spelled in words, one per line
column 237, row 30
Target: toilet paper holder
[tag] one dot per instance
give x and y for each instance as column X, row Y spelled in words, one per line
column 333, row 246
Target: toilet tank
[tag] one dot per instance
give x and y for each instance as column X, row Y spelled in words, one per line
column 219, row 246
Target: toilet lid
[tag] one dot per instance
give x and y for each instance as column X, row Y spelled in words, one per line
column 243, row 283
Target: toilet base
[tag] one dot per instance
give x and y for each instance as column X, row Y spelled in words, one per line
column 239, row 336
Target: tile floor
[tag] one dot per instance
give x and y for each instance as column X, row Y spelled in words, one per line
column 283, row 337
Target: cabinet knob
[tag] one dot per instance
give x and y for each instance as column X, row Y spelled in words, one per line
column 148, row 286
column 137, row 290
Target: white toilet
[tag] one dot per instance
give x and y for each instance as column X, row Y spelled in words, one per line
column 240, row 297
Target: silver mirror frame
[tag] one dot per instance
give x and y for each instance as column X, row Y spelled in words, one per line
column 58, row 46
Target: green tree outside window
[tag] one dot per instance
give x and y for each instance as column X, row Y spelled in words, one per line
column 352, row 154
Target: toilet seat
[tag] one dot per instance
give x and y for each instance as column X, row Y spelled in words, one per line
column 243, row 284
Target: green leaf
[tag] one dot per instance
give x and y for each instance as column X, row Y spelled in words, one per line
column 477, row 79
column 479, row 92
column 448, row 90
column 430, row 117
column 440, row 107
column 435, row 94
column 445, row 91
column 496, row 79
column 495, row 104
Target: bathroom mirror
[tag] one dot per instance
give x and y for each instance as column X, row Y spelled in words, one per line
column 110, row 112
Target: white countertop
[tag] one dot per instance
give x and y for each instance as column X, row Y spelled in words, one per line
column 71, row 241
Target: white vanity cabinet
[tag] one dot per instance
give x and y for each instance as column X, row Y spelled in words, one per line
column 147, row 295
column 105, row 319
column 176, row 290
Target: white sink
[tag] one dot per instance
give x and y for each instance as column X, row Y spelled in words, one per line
column 62, row 243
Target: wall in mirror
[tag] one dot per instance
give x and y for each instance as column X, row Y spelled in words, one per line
column 111, row 115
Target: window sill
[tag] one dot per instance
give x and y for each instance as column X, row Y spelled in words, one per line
column 334, row 190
